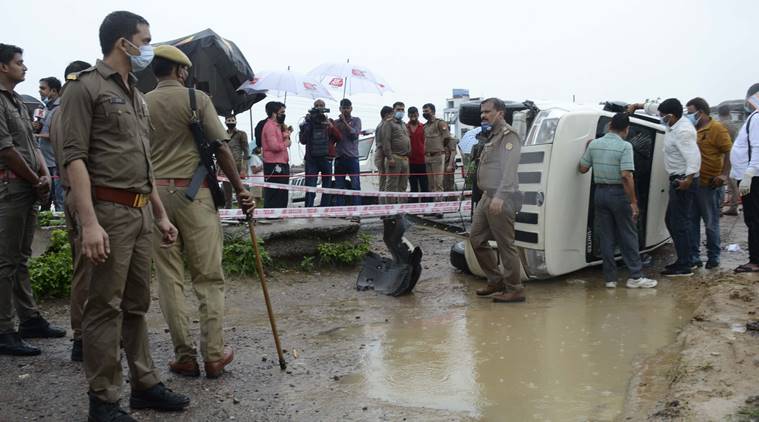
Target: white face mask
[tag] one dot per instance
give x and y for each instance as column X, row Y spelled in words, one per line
column 143, row 60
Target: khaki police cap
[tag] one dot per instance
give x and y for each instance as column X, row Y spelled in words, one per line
column 169, row 52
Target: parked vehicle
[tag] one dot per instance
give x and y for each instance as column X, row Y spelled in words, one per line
column 555, row 230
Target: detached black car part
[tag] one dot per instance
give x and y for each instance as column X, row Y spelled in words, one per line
column 396, row 276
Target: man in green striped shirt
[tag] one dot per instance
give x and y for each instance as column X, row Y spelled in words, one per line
column 615, row 204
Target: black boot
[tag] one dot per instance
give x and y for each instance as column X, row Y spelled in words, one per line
column 38, row 327
column 76, row 350
column 103, row 411
column 158, row 397
column 12, row 344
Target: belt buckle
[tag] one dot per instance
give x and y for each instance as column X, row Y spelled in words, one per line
column 140, row 200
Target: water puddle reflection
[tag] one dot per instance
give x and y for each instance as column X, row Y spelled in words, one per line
column 566, row 354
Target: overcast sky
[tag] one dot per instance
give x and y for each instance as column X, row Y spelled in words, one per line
column 539, row 50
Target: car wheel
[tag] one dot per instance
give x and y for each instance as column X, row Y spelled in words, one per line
column 458, row 258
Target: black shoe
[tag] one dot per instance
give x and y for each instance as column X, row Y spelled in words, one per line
column 712, row 264
column 38, row 327
column 677, row 272
column 12, row 344
column 76, row 350
column 103, row 411
column 158, row 397
column 696, row 265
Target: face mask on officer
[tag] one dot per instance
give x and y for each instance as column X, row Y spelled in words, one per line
column 399, row 115
column 142, row 59
column 426, row 116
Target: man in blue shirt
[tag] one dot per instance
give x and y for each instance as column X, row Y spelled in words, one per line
column 616, row 206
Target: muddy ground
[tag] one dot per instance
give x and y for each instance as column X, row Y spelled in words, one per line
column 707, row 372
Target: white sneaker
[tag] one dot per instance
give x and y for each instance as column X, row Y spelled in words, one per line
column 611, row 284
column 641, row 283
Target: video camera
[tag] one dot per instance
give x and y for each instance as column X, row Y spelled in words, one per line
column 317, row 115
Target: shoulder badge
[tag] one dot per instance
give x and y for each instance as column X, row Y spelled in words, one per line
column 509, row 146
column 506, row 131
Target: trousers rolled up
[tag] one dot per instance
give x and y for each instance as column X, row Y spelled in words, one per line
column 679, row 219
column 199, row 243
column 487, row 227
column 706, row 208
column 118, row 299
column 18, row 220
column 397, row 178
column 613, row 214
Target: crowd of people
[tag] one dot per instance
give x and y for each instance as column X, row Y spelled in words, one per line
column 105, row 151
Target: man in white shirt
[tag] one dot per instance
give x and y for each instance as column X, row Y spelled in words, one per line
column 744, row 157
column 682, row 161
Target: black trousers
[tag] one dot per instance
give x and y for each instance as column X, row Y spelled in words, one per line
column 418, row 182
column 276, row 173
column 751, row 218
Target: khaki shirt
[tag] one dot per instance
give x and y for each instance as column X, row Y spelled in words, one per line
column 16, row 129
column 394, row 138
column 437, row 137
column 238, row 143
column 56, row 140
column 173, row 150
column 106, row 125
column 499, row 161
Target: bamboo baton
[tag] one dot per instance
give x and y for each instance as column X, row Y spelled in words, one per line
column 260, row 269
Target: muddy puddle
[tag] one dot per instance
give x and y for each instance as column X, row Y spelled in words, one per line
column 566, row 354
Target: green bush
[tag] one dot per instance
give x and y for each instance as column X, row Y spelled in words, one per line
column 47, row 219
column 239, row 258
column 344, row 253
column 51, row 273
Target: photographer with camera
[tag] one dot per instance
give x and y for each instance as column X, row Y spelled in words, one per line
column 317, row 133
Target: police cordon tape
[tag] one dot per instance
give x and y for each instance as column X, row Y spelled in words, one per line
column 346, row 211
column 351, row 211
column 349, row 192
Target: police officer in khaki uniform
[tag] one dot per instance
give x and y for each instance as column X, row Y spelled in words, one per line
column 106, row 151
column 494, row 216
column 238, row 144
column 396, row 146
column 24, row 181
column 438, row 143
column 386, row 114
column 80, row 278
column 175, row 159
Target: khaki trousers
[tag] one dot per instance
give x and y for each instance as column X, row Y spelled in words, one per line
column 117, row 300
column 18, row 220
column 448, row 185
column 80, row 278
column 199, row 244
column 435, row 168
column 398, row 182
column 486, row 227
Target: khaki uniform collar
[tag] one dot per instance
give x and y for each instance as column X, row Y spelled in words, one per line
column 107, row 72
column 169, row 82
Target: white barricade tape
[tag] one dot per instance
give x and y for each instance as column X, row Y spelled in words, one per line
column 346, row 211
column 350, row 192
column 351, row 211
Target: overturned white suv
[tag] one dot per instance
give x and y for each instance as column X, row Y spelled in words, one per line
column 555, row 233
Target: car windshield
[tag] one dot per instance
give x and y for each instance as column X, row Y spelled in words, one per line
column 364, row 146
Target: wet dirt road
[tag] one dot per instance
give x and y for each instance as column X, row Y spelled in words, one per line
column 440, row 354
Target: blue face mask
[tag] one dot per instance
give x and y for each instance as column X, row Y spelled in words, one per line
column 664, row 121
column 142, row 61
column 486, row 127
column 399, row 115
column 692, row 118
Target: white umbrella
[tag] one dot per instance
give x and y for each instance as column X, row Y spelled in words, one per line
column 352, row 78
column 286, row 82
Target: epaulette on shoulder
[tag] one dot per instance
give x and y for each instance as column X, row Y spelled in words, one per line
column 74, row 76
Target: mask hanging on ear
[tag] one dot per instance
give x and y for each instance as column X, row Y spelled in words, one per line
column 142, row 61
